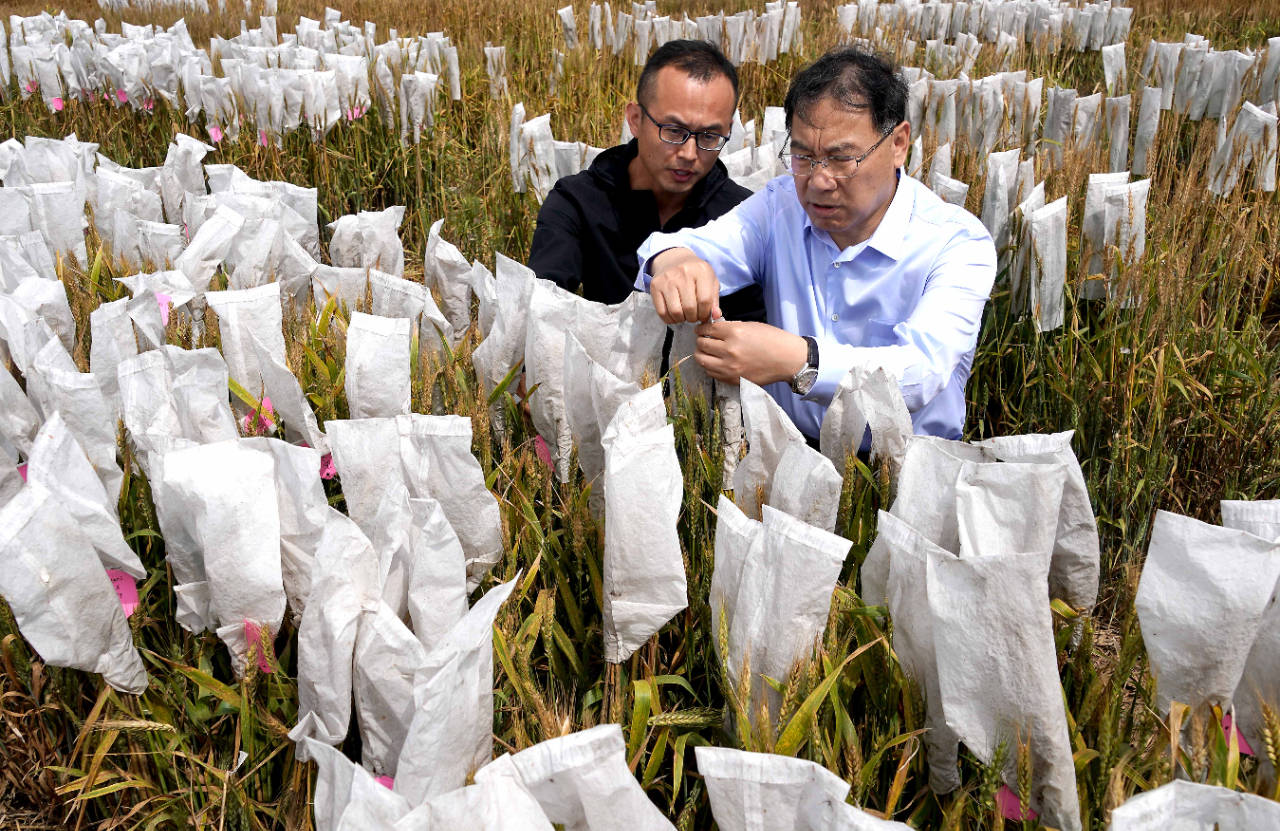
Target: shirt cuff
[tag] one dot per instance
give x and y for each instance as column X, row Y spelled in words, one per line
column 834, row 362
column 644, row 277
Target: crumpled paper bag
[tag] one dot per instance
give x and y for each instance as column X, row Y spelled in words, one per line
column 582, row 782
column 498, row 805
column 57, row 462
column 387, row 656
column 364, row 450
column 18, row 418
column 209, row 247
column 347, row 796
column 894, row 575
column 246, row 313
column 436, row 579
column 229, row 491
column 1190, row 806
column 1073, row 576
column 445, row 269
column 451, row 734
column 769, row 431
column 437, row 462
column 762, row 791
column 874, row 393
column 993, row 612
column 376, row 373
column 643, row 573
column 503, row 346
column 592, row 396
column 1201, row 599
column 925, row 495
column 60, row 594
column 1002, row 508
column 369, row 239
column 55, row 384
column 344, row 585
column 773, row 582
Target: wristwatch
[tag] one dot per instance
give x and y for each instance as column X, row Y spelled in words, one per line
column 803, row 380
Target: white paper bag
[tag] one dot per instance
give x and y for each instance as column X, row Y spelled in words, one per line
column 762, row 791
column 644, row 580
column 1190, row 806
column 377, row 378
column 59, row 593
column 582, row 782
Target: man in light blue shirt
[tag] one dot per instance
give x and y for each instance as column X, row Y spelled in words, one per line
column 859, row 264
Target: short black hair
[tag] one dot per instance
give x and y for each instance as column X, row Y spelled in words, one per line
column 853, row 79
column 698, row 59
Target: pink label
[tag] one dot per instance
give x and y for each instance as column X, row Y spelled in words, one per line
column 1010, row 806
column 540, row 446
column 22, row 471
column 1242, row 746
column 257, row 644
column 327, row 469
column 126, row 589
column 385, row 781
column 57, row 104
column 215, row 133
column 122, row 96
column 163, row 301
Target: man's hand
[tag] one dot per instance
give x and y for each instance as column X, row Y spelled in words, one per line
column 684, row 288
column 733, row 349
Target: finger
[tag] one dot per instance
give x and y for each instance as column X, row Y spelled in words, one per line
column 671, row 313
column 706, row 299
column 710, row 330
column 659, row 301
column 689, row 301
column 711, row 346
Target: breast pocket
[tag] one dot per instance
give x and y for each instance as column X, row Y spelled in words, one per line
column 879, row 333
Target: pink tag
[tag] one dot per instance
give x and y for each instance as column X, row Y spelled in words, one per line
column 57, row 104
column 215, row 133
column 148, row 104
column 32, row 85
column 327, row 470
column 1242, row 746
column 385, row 781
column 22, row 471
column 253, row 635
column 126, row 589
column 122, row 96
column 1010, row 806
column 540, row 447
column 164, row 300
column 262, row 137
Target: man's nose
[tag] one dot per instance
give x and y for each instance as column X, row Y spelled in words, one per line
column 689, row 150
column 822, row 179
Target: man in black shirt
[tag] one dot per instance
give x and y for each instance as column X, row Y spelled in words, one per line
column 667, row 178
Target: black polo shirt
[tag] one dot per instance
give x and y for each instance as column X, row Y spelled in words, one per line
column 592, row 222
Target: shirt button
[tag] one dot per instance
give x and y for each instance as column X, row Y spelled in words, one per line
column 835, row 318
column 837, row 265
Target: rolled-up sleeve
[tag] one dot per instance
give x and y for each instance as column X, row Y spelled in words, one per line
column 733, row 244
column 940, row 331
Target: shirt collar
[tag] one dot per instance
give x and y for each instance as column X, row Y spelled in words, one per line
column 890, row 236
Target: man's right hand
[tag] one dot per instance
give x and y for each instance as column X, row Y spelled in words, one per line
column 684, row 287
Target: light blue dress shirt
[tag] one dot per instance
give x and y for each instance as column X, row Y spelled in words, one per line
column 909, row 298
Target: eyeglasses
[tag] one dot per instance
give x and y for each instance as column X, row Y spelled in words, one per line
column 675, row 134
column 838, row 167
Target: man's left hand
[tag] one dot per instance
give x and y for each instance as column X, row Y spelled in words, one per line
column 733, row 349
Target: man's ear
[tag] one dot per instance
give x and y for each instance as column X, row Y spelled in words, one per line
column 901, row 142
column 632, row 114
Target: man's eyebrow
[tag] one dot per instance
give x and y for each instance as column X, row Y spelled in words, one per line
column 712, row 128
column 834, row 150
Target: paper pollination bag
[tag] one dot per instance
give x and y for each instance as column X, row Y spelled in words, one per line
column 347, row 795
column 1259, row 684
column 767, row 572
column 792, row 476
column 581, row 781
column 57, row 462
column 626, row 339
column 387, row 656
column 868, row 397
column 1048, row 262
column 369, row 239
column 435, row 453
column 19, row 420
column 1201, row 601
column 451, row 732
column 376, row 375
column 448, row 272
column 1195, row 807
column 60, row 594
column 55, row 384
column 503, row 345
column 499, row 805
column 228, row 490
column 245, row 313
column 344, row 586
column 643, row 572
column 592, row 396
column 993, row 611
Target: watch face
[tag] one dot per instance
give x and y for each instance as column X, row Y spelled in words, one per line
column 804, row 381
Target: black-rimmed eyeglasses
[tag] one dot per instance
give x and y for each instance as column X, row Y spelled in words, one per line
column 675, row 134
